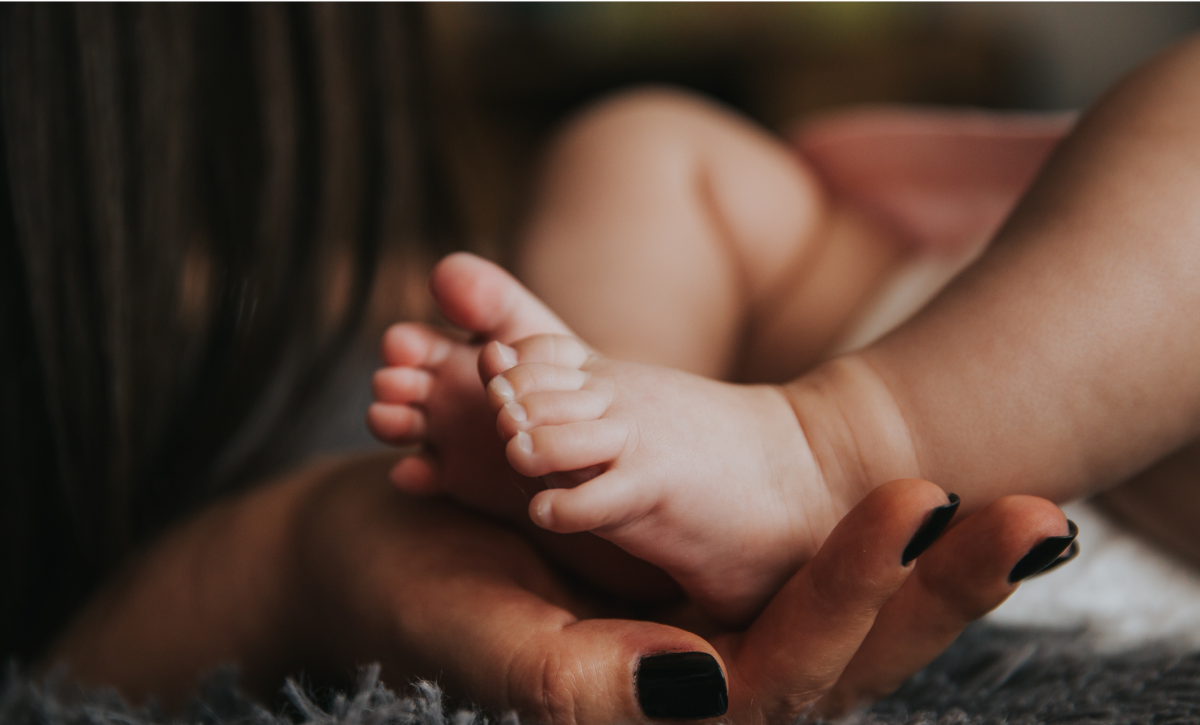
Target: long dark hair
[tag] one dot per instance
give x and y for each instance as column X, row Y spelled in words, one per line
column 192, row 201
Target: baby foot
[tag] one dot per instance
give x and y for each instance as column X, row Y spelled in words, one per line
column 711, row 481
column 430, row 392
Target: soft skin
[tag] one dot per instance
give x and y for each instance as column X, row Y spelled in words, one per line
column 332, row 567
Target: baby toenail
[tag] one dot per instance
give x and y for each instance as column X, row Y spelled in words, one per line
column 516, row 411
column 501, row 388
column 542, row 515
column 508, row 355
column 524, row 442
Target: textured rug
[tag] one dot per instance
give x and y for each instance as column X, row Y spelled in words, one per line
column 990, row 676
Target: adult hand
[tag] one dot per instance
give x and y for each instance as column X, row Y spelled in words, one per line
column 430, row 591
column 331, row 568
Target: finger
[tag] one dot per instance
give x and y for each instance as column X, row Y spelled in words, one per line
column 962, row 577
column 489, row 622
column 802, row 641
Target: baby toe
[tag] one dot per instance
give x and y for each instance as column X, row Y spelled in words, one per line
column 415, row 474
column 567, row 447
column 495, row 358
column 563, row 350
column 401, row 385
column 605, row 502
column 396, row 423
column 412, row 345
column 530, row 378
column 479, row 296
column 549, row 408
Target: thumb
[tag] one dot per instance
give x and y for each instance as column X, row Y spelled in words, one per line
column 608, row 670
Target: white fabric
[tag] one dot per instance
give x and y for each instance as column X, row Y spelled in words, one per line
column 1124, row 590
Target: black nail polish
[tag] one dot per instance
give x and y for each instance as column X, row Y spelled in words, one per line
column 1044, row 555
column 935, row 524
column 681, row 686
column 1072, row 552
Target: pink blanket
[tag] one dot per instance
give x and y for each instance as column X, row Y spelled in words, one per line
column 944, row 179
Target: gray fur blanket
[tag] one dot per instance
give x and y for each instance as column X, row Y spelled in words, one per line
column 991, row 676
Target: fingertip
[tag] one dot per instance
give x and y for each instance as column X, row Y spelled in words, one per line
column 611, row 670
column 1046, row 555
column 1005, row 530
column 972, row 566
column 893, row 516
column 911, row 493
column 681, row 686
column 931, row 529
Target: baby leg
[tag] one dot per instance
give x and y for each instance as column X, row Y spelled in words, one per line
column 754, row 255
column 664, row 227
column 1064, row 359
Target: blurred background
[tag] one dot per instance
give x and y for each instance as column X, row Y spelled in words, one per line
column 508, row 74
column 511, row 72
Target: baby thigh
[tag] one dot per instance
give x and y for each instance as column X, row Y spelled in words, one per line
column 662, row 223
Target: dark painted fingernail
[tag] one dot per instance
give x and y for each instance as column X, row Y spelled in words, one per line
column 681, row 686
column 935, row 524
column 1072, row 552
column 1044, row 555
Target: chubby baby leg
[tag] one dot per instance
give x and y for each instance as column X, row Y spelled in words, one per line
column 664, row 224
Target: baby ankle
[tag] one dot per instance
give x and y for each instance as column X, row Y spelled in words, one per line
column 854, row 427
